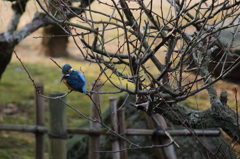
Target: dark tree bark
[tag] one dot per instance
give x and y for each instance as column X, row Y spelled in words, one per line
column 13, row 37
column 7, row 43
column 5, row 54
column 218, row 115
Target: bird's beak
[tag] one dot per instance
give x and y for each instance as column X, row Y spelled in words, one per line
column 62, row 77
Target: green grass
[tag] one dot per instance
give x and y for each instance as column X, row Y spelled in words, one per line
column 16, row 146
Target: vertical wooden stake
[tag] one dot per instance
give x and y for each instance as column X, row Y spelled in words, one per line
column 165, row 152
column 169, row 151
column 94, row 140
column 114, row 125
column 159, row 151
column 58, row 128
column 39, row 121
column 122, row 130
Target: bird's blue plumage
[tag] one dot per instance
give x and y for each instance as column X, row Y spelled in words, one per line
column 74, row 79
column 66, row 68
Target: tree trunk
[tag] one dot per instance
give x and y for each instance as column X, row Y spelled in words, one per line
column 5, row 54
column 54, row 46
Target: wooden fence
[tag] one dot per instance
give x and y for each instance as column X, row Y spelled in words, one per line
column 58, row 130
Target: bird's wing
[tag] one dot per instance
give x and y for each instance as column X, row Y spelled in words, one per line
column 82, row 78
column 76, row 80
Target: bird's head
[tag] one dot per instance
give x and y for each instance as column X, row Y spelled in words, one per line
column 65, row 70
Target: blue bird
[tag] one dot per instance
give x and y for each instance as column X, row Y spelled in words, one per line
column 73, row 79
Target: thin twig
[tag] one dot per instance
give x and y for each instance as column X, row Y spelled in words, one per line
column 56, row 63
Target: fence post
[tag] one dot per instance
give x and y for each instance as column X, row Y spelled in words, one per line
column 94, row 140
column 114, row 125
column 169, row 151
column 58, row 128
column 122, row 131
column 39, row 121
column 165, row 152
column 159, row 151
